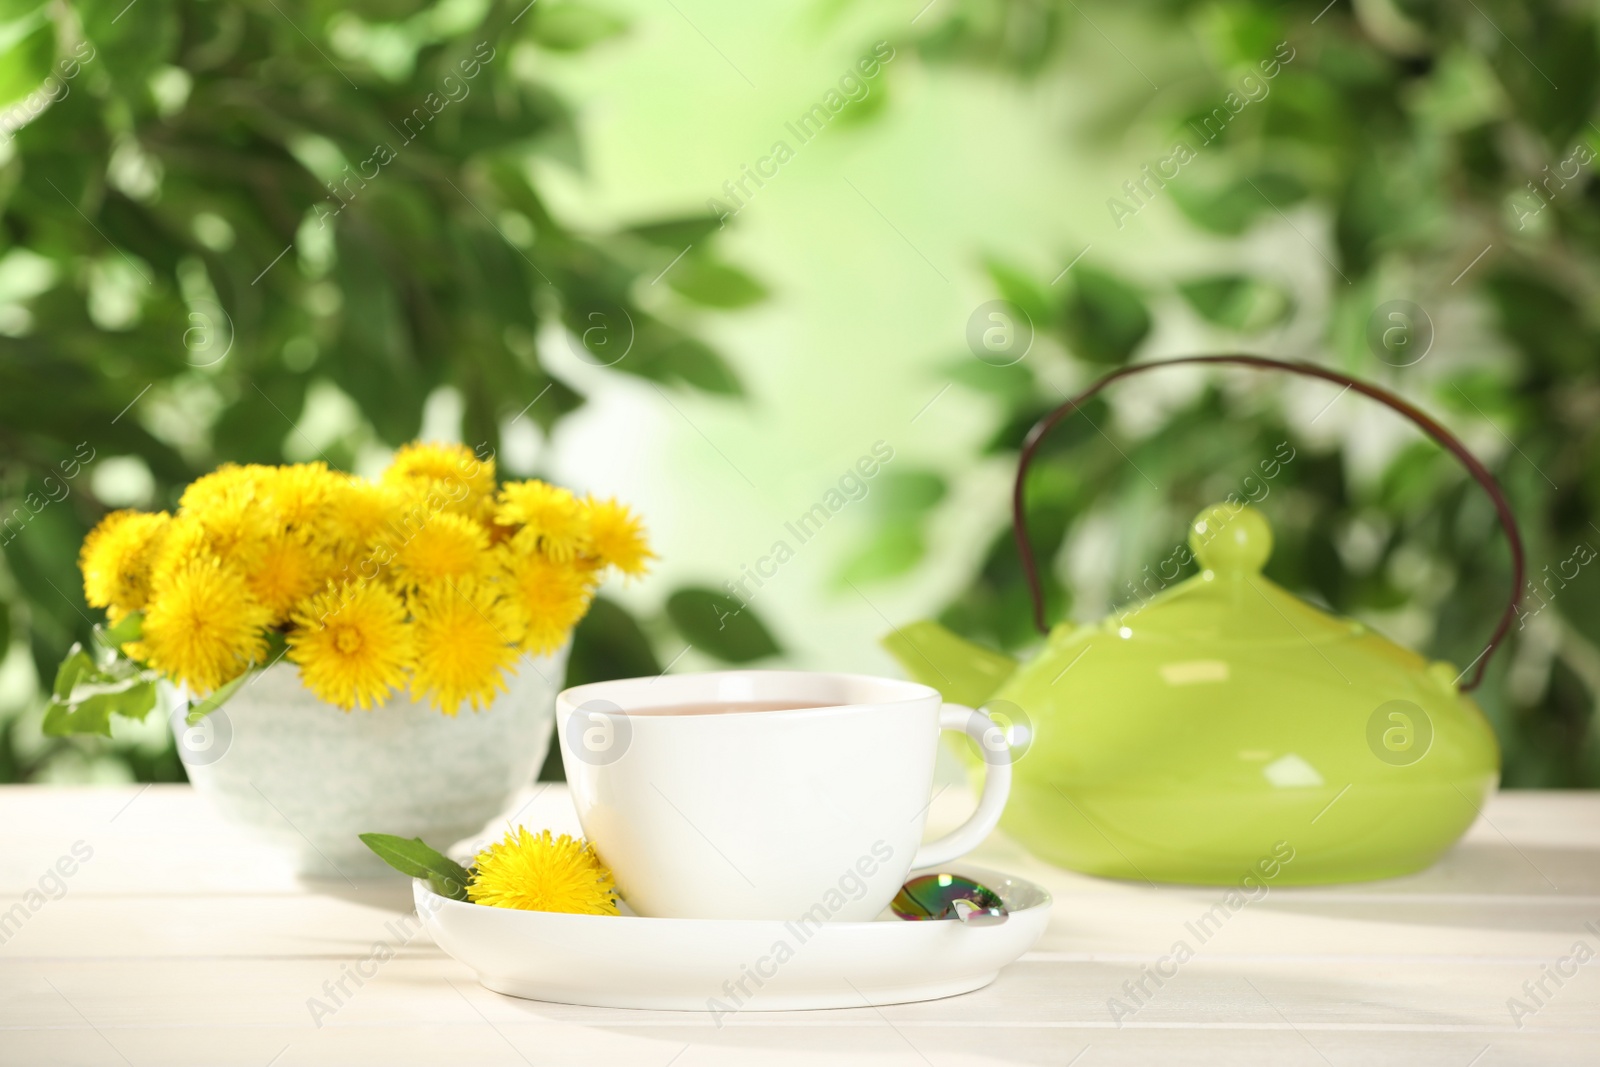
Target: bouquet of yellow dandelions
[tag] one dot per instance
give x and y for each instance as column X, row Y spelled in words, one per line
column 434, row 579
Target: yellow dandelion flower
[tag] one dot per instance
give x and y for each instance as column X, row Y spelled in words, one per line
column 551, row 518
column 185, row 540
column 228, row 482
column 499, row 532
column 466, row 635
column 429, row 573
column 357, row 512
column 285, row 571
column 118, row 558
column 232, row 528
column 352, row 644
column 451, row 473
column 541, row 873
column 445, row 546
column 551, row 598
column 436, row 461
column 202, row 626
column 298, row 495
column 415, row 500
column 616, row 535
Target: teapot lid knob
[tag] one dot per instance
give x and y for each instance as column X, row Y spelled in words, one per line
column 1228, row 537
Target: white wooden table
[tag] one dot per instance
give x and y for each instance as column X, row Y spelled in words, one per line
column 176, row 942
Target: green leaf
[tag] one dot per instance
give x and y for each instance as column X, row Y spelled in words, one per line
column 607, row 644
column 1013, row 382
column 132, row 699
column 277, row 648
column 199, row 709
column 719, row 625
column 714, row 284
column 132, row 45
column 75, row 666
column 1238, row 302
column 1105, row 317
column 864, row 109
column 910, row 492
column 56, row 720
column 5, row 629
column 413, row 857
column 131, row 628
column 676, row 234
column 1018, row 287
column 384, row 10
column 1543, row 319
column 895, row 549
column 572, row 27
column 12, row 10
column 137, row 700
column 86, row 693
column 89, row 709
column 683, row 359
column 26, row 64
column 1231, row 209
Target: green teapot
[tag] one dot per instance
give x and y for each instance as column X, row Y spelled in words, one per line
column 1226, row 729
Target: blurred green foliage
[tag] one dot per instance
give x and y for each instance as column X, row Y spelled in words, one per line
column 1437, row 153
column 226, row 227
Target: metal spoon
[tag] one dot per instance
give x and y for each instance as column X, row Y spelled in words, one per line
column 949, row 896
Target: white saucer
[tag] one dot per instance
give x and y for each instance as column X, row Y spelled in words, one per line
column 726, row 965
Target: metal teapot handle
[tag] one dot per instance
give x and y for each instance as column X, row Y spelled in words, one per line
column 1447, row 440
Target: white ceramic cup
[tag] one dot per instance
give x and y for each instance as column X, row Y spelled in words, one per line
column 814, row 814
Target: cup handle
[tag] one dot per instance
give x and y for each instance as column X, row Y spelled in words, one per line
column 985, row 732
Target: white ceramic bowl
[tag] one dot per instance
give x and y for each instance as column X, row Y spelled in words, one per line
column 307, row 777
column 728, row 965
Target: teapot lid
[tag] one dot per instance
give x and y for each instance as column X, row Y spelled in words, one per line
column 1230, row 600
column 1217, row 603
